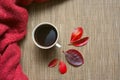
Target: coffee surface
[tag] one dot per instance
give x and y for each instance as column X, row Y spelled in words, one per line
column 45, row 35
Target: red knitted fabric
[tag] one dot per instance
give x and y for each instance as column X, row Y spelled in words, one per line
column 13, row 22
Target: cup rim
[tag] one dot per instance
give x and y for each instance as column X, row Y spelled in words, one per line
column 33, row 38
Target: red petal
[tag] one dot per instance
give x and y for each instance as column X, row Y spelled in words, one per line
column 81, row 42
column 76, row 34
column 62, row 67
column 53, row 63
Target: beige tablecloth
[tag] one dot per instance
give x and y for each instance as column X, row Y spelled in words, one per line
column 101, row 22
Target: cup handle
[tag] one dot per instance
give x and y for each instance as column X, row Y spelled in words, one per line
column 58, row 45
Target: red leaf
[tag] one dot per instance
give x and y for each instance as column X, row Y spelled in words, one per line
column 76, row 34
column 53, row 63
column 74, row 57
column 62, row 67
column 81, row 42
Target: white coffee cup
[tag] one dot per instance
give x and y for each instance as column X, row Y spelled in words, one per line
column 36, row 41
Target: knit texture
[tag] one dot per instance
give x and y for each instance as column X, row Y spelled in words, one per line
column 13, row 22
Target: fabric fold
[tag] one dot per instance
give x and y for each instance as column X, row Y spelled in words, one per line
column 13, row 22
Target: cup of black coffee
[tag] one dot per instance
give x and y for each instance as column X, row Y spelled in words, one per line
column 45, row 35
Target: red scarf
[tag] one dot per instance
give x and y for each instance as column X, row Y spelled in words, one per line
column 13, row 22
